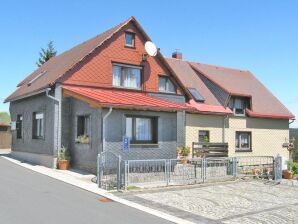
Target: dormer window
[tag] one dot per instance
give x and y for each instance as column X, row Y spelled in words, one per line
column 166, row 85
column 129, row 39
column 127, row 76
column 238, row 105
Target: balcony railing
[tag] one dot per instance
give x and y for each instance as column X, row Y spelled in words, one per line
column 209, row 149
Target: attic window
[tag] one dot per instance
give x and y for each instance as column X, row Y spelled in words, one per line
column 238, row 105
column 196, row 95
column 37, row 77
column 129, row 39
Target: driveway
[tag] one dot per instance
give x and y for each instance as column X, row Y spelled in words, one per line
column 29, row 197
column 233, row 202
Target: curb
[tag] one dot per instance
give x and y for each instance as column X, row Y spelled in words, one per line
column 94, row 189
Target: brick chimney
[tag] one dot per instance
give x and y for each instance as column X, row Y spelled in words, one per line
column 177, row 55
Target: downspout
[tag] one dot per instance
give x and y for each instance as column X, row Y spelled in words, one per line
column 58, row 126
column 224, row 129
column 104, row 128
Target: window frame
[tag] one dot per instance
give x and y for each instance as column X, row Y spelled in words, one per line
column 240, row 149
column 233, row 108
column 154, row 129
column 133, row 39
column 84, row 116
column 208, row 134
column 34, row 126
column 167, row 79
column 19, row 123
column 122, row 65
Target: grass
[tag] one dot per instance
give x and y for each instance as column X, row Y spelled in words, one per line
column 131, row 188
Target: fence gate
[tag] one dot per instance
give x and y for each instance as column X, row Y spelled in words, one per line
column 108, row 170
column 278, row 168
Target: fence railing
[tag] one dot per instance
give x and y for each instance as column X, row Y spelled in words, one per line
column 209, row 149
column 164, row 172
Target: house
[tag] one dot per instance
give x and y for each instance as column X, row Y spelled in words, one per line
column 235, row 108
column 5, row 136
column 91, row 96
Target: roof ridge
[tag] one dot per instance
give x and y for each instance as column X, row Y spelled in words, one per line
column 212, row 65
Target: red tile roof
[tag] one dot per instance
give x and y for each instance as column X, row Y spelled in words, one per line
column 243, row 83
column 57, row 66
column 125, row 99
column 205, row 108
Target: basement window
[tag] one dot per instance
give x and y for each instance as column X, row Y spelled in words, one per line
column 38, row 125
column 83, row 129
column 129, row 39
column 142, row 130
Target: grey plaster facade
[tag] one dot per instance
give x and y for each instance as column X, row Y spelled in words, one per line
column 26, row 107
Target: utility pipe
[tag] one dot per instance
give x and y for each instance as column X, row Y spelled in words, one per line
column 104, row 128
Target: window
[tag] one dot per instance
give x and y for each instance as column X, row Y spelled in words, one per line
column 204, row 136
column 38, row 125
column 243, row 141
column 141, row 129
column 129, row 39
column 238, row 105
column 166, row 85
column 196, row 95
column 83, row 126
column 19, row 126
column 127, row 76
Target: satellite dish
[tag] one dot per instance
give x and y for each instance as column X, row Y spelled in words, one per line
column 150, row 48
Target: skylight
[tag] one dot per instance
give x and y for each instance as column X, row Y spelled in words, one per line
column 37, row 77
column 196, row 95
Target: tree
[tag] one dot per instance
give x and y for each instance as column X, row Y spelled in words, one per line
column 46, row 54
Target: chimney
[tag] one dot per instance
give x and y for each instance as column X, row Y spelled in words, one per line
column 177, row 55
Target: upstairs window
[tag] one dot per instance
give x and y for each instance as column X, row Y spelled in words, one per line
column 38, row 125
column 129, row 39
column 141, row 130
column 19, row 126
column 238, row 105
column 126, row 76
column 243, row 141
column 166, row 85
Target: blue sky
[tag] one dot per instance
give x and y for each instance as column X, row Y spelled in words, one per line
column 260, row 36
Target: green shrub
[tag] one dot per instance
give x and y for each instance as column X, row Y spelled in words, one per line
column 64, row 154
column 293, row 167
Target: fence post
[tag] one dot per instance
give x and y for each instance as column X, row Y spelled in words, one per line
column 98, row 171
column 126, row 173
column 168, row 171
column 119, row 173
column 277, row 168
column 204, row 169
column 234, row 167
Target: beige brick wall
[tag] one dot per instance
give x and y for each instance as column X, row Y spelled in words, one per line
column 268, row 135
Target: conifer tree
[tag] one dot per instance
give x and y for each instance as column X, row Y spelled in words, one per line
column 46, row 54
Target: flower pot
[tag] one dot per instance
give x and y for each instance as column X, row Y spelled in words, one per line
column 63, row 164
column 287, row 174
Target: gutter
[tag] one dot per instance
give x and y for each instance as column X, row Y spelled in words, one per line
column 58, row 146
column 104, row 128
column 292, row 121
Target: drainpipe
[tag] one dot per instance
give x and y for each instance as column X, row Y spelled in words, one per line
column 58, row 126
column 224, row 129
column 104, row 128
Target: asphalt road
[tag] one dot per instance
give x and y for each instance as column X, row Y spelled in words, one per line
column 27, row 197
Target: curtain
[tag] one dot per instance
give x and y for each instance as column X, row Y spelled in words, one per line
column 116, row 75
column 128, row 128
column 143, row 129
column 132, row 78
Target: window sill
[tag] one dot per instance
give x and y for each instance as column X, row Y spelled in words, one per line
column 145, row 145
column 127, row 88
column 165, row 92
column 82, row 143
column 130, row 47
column 243, row 150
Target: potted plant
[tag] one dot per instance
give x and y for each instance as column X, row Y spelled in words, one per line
column 183, row 153
column 83, row 139
column 63, row 159
column 288, row 174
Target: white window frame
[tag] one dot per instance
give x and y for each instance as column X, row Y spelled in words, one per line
column 122, row 76
column 240, row 149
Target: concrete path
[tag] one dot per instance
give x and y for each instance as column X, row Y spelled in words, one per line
column 246, row 202
column 30, row 198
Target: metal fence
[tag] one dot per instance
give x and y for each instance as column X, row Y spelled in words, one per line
column 114, row 173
